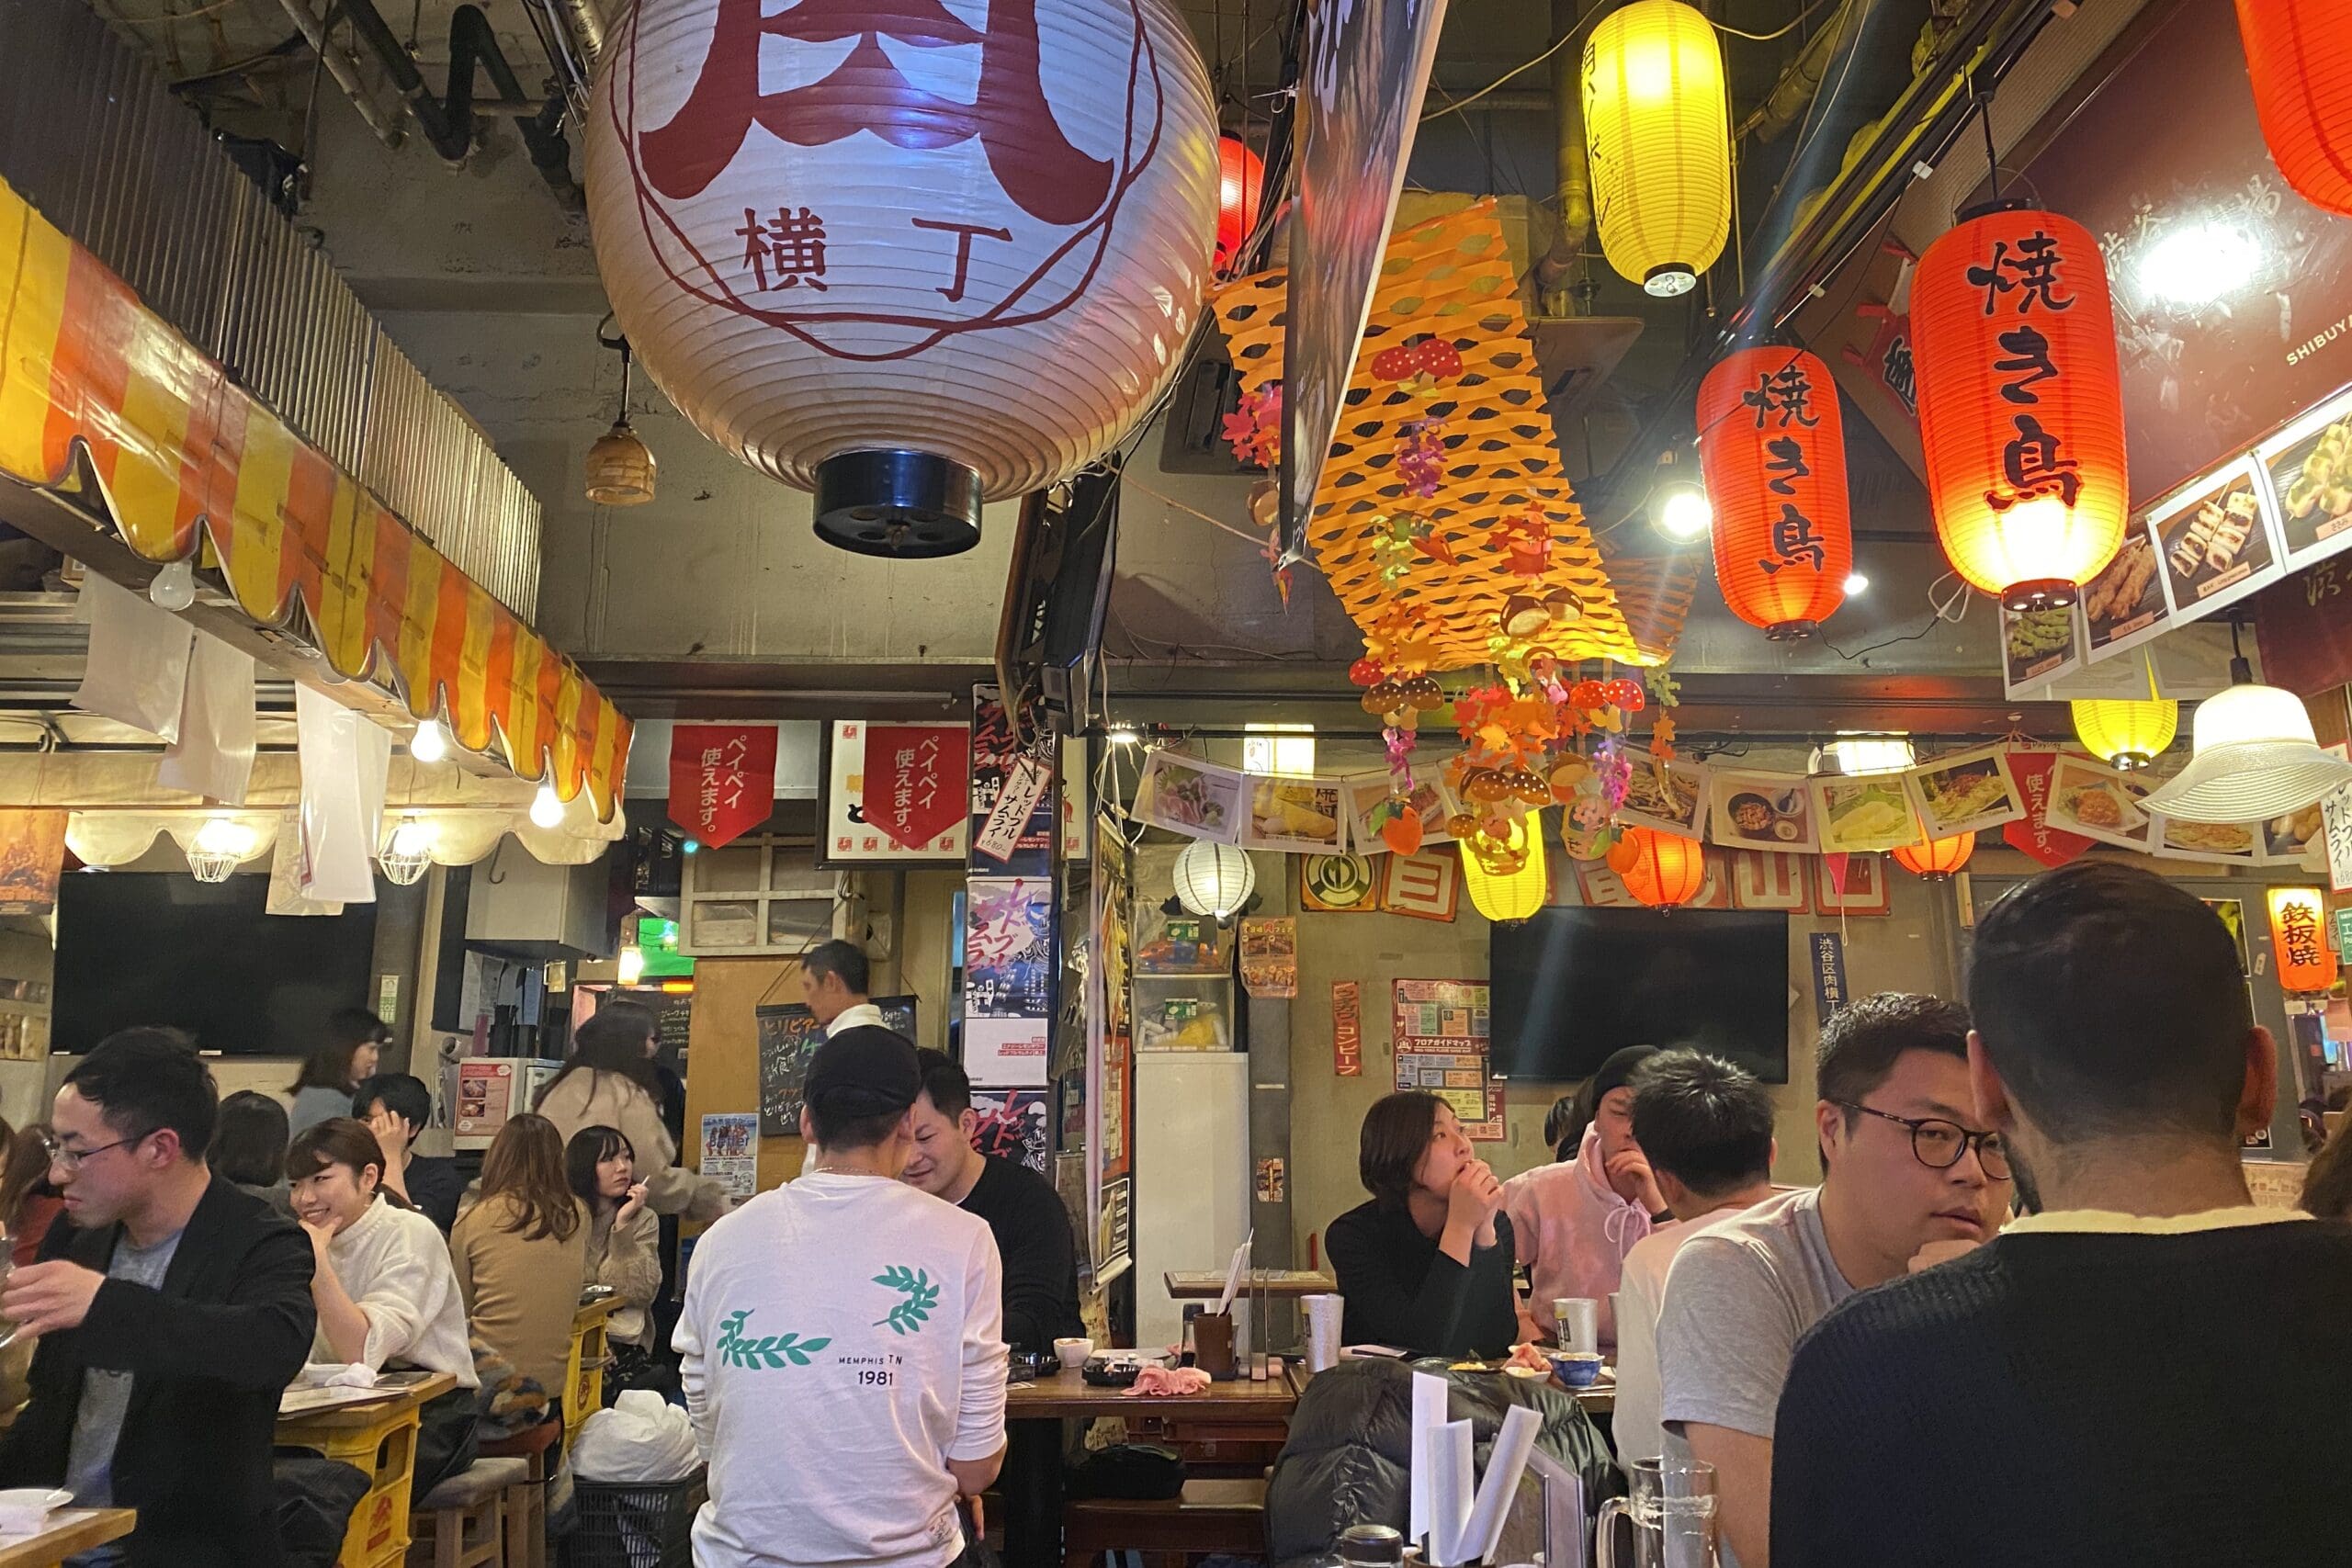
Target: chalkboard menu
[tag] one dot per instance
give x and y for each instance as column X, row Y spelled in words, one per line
column 789, row 1034
column 673, row 1020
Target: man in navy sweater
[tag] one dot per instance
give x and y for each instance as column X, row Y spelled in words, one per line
column 2145, row 1373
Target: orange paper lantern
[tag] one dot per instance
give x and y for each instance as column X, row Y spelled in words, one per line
column 2021, row 407
column 1662, row 870
column 1240, row 186
column 2302, row 93
column 1774, row 452
column 1938, row 858
column 2298, row 940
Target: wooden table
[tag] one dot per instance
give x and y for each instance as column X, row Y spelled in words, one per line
column 1065, row 1394
column 69, row 1531
column 1285, row 1282
column 379, row 1438
column 584, row 1363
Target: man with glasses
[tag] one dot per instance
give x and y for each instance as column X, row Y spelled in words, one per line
column 2146, row 1372
column 1905, row 1167
column 173, row 1310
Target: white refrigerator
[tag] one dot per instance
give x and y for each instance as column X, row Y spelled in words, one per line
column 1191, row 1176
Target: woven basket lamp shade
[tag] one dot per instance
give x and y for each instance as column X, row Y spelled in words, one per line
column 2302, row 93
column 1938, row 858
column 914, row 288
column 1774, row 452
column 1662, row 870
column 2298, row 940
column 1214, row 879
column 620, row 469
column 2020, row 408
column 1513, row 884
column 1657, row 135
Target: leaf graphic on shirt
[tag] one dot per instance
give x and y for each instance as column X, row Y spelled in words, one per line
column 920, row 1296
column 769, row 1352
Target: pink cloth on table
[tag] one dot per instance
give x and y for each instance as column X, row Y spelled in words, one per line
column 1573, row 1232
column 1155, row 1380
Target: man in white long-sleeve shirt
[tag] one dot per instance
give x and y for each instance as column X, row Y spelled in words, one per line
column 842, row 1344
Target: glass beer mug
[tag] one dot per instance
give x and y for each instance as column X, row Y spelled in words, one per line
column 1672, row 1510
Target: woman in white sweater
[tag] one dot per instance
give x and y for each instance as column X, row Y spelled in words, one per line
column 386, row 1292
column 624, row 1237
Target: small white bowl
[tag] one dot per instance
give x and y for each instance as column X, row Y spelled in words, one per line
column 1072, row 1353
column 25, row 1510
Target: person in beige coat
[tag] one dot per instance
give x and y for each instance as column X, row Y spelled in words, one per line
column 624, row 1238
column 609, row 1082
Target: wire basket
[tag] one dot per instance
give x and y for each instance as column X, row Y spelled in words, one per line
column 642, row 1525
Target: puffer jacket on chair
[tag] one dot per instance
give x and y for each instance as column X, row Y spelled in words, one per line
column 1348, row 1460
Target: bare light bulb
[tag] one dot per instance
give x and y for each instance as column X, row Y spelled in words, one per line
column 1856, row 584
column 430, row 743
column 174, row 588
column 547, row 811
column 632, row 964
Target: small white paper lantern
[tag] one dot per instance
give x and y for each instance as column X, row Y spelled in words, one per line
column 1214, row 879
column 910, row 255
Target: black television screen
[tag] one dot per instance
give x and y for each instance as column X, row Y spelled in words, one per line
column 1570, row 986
column 136, row 947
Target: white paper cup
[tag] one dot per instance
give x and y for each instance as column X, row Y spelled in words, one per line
column 1323, row 1314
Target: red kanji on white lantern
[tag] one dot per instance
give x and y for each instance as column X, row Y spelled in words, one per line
column 912, row 254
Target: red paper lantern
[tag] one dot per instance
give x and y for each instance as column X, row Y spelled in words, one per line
column 2298, row 940
column 1240, row 186
column 1774, row 454
column 2021, row 407
column 1938, row 858
column 1662, row 870
column 2302, row 93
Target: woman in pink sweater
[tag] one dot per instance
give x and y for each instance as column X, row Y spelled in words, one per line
column 1576, row 1221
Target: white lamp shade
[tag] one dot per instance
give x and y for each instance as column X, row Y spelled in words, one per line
column 2254, row 756
column 818, row 244
column 1214, row 879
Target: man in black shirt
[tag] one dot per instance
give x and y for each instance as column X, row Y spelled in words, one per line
column 2133, row 1375
column 396, row 1108
column 1035, row 1238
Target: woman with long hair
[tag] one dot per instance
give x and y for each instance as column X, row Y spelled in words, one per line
column 2328, row 1184
column 609, row 1081
column 249, row 1141
column 520, row 1251
column 1426, row 1265
column 355, row 1042
column 624, row 1237
column 28, row 1202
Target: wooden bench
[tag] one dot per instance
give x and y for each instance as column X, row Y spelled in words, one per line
column 1212, row 1516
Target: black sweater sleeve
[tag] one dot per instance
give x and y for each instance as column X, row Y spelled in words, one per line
column 258, row 1339
column 1457, row 1309
column 1040, row 1252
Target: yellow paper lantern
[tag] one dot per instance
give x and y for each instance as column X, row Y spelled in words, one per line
column 1657, row 134
column 1509, row 895
column 2126, row 733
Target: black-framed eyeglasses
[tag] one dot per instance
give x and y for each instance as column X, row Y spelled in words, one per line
column 1938, row 1144
column 70, row 1161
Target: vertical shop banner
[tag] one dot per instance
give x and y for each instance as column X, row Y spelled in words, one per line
column 2031, row 767
column 1013, row 808
column 851, row 836
column 1828, row 974
column 1108, row 1042
column 1440, row 1028
column 32, row 855
column 1011, row 1123
column 722, row 779
column 1347, row 1029
column 1008, row 979
column 917, row 779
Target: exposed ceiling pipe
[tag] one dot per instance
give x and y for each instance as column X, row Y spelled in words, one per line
column 345, row 70
column 1787, row 101
column 1575, row 176
column 583, row 24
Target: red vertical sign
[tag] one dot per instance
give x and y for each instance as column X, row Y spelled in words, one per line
column 2034, row 836
column 1347, row 1029
column 722, row 779
column 917, row 780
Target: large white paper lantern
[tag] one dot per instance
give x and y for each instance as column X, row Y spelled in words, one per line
column 911, row 256
column 1214, row 879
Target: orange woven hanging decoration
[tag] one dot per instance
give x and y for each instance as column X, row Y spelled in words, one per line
column 2302, row 93
column 1774, row 452
column 1662, row 870
column 2021, row 407
column 1938, row 858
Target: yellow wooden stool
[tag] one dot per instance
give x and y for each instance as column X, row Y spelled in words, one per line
column 462, row 1521
column 380, row 1440
column 583, row 1365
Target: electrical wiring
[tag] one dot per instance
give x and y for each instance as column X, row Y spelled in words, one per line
column 1952, row 611
column 1798, row 21
column 1561, row 42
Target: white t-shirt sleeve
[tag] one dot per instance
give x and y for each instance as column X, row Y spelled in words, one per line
column 979, row 1423
column 1725, row 1334
column 686, row 1340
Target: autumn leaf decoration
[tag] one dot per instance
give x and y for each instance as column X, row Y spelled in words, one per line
column 773, row 1351
column 921, row 1295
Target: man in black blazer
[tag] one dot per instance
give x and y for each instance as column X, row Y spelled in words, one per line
column 173, row 1310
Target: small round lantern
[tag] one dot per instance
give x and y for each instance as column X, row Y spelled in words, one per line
column 2124, row 732
column 1215, row 879
column 1240, row 188
column 1773, row 448
column 2302, row 93
column 909, row 290
column 1662, row 870
column 2021, row 405
column 1938, row 858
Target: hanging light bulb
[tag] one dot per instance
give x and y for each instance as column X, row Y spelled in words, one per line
column 430, row 742
column 221, row 846
column 546, row 810
column 2253, row 755
column 406, row 852
column 1214, row 879
column 1679, row 506
column 632, row 964
column 174, row 588
column 620, row 467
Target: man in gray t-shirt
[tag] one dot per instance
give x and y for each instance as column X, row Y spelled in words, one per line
column 1894, row 1080
column 105, row 1396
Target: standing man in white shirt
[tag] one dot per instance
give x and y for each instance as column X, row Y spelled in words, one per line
column 842, row 1341
column 834, row 980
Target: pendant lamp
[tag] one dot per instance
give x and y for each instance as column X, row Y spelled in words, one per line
column 2127, row 732
column 2302, row 93
column 221, row 846
column 1938, row 858
column 1661, row 870
column 1657, row 136
column 2020, row 403
column 2253, row 755
column 1215, row 879
column 1512, row 882
column 620, row 465
column 1774, row 452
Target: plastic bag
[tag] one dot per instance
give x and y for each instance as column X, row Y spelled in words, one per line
column 641, row 1439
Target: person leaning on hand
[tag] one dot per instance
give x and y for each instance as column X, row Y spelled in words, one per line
column 172, row 1314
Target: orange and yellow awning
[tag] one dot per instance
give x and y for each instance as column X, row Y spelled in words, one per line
column 178, row 449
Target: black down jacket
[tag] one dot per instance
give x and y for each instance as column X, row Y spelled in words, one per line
column 1347, row 1461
